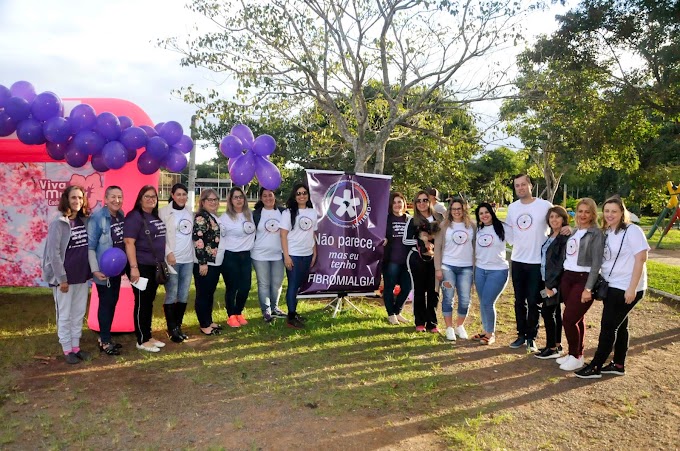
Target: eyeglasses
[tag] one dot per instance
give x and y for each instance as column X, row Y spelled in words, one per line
column 422, row 201
column 301, row 193
column 238, row 197
column 456, row 209
column 211, row 199
column 147, row 197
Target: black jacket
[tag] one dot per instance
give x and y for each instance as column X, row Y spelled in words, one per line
column 554, row 261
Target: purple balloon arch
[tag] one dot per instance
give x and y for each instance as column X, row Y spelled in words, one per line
column 249, row 156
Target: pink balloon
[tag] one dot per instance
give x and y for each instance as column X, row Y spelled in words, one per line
column 264, row 145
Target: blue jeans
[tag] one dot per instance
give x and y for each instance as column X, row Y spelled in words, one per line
column 296, row 277
column 460, row 278
column 177, row 286
column 490, row 283
column 269, row 282
column 396, row 274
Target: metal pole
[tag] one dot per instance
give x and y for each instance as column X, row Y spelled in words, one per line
column 192, row 165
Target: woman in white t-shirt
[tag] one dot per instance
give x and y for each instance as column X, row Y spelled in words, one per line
column 267, row 255
column 624, row 267
column 238, row 237
column 453, row 264
column 491, row 267
column 298, row 225
column 179, row 253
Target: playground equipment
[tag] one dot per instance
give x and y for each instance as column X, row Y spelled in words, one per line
column 670, row 214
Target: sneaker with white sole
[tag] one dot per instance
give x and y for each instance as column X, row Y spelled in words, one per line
column 572, row 364
column 151, row 348
column 392, row 319
column 611, row 368
column 561, row 360
column 461, row 332
column 450, row 334
column 401, row 319
column 531, row 345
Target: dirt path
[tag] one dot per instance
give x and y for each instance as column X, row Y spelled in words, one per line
column 667, row 256
column 503, row 399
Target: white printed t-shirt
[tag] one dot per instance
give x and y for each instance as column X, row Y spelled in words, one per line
column 528, row 229
column 238, row 234
column 268, row 239
column 301, row 237
column 623, row 270
column 458, row 245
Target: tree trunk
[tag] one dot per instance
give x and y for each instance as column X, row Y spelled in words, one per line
column 379, row 166
column 552, row 181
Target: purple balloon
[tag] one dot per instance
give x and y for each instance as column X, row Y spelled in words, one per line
column 56, row 151
column 185, row 144
column 231, row 161
column 112, row 262
column 243, row 169
column 23, row 89
column 231, row 146
column 131, row 155
column 57, row 130
column 175, row 161
column 89, row 142
column 133, row 138
column 158, row 126
column 75, row 156
column 150, row 131
column 243, row 133
column 29, row 131
column 108, row 126
column 82, row 117
column 17, row 108
column 5, row 94
column 7, row 124
column 157, row 148
column 98, row 163
column 115, row 155
column 125, row 122
column 264, row 145
column 267, row 173
column 45, row 106
column 171, row 132
column 147, row 164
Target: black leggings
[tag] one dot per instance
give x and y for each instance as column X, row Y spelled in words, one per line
column 614, row 327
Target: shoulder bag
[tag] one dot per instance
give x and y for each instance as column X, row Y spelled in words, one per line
column 601, row 287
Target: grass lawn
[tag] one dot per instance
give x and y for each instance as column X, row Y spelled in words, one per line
column 663, row 277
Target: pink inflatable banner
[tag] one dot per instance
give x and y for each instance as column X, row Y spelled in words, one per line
column 352, row 211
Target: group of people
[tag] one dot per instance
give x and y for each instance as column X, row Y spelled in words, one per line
column 552, row 264
column 202, row 245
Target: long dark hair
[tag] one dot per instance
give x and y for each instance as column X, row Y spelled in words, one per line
column 138, row 201
column 394, row 195
column 292, row 205
column 495, row 222
column 259, row 205
column 175, row 187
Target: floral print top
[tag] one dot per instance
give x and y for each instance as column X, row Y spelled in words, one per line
column 206, row 237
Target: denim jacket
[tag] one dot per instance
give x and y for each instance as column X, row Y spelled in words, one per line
column 99, row 238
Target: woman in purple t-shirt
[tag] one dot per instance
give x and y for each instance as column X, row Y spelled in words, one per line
column 395, row 271
column 66, row 269
column 144, row 236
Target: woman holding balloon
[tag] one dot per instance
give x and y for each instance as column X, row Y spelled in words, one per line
column 106, row 253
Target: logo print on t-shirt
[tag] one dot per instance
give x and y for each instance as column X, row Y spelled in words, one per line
column 459, row 237
column 524, row 221
column 185, row 226
column 485, row 240
column 305, row 223
column 248, row 227
column 607, row 252
column 572, row 246
column 272, row 225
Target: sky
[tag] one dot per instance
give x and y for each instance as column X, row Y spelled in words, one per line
column 90, row 48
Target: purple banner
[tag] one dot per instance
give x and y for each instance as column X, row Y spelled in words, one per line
column 352, row 211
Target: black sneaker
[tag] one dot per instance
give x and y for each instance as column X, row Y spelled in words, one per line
column 72, row 358
column 295, row 323
column 83, row 355
column 548, row 353
column 269, row 319
column 611, row 368
column 278, row 313
column 518, row 343
column 589, row 371
column 531, row 345
column 302, row 319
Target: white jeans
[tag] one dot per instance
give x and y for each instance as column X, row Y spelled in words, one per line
column 70, row 307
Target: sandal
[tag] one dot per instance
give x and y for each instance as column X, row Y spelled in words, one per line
column 108, row 348
column 487, row 340
column 479, row 336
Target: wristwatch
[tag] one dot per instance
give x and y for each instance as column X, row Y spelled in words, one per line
column 589, row 290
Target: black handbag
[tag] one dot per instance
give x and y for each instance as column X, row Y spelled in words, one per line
column 601, row 287
column 162, row 271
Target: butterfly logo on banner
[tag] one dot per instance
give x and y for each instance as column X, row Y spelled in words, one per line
column 249, row 157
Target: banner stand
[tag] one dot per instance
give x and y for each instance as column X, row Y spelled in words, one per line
column 336, row 304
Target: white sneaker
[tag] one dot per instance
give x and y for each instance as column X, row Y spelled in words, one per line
column 401, row 319
column 572, row 364
column 461, row 332
column 561, row 360
column 450, row 334
column 148, row 348
column 156, row 343
column 393, row 320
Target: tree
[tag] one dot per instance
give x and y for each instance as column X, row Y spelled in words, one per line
column 289, row 54
column 492, row 174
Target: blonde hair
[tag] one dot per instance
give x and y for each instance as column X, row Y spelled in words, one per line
column 592, row 207
column 448, row 219
column 230, row 204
